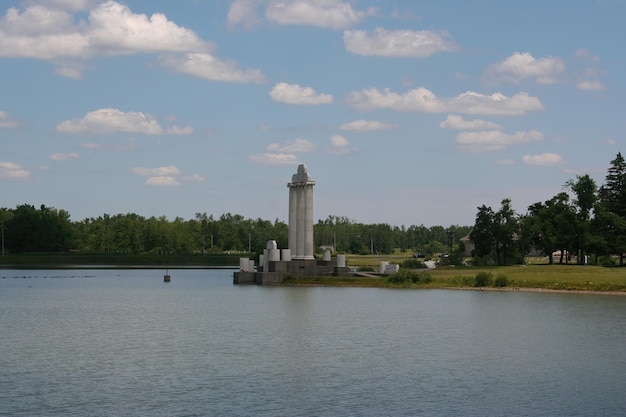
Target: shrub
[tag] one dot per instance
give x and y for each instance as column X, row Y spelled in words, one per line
column 482, row 279
column 413, row 264
column 607, row 261
column 406, row 277
column 501, row 281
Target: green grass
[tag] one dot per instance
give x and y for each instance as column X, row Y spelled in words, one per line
column 540, row 276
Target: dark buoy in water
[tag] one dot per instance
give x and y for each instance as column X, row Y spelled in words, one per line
column 166, row 277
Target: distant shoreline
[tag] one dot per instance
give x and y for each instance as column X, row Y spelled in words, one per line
column 457, row 288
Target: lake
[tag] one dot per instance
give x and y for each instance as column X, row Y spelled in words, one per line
column 124, row 343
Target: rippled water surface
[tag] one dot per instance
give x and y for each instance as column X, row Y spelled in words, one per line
column 123, row 343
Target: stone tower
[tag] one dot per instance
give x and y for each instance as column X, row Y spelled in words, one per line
column 301, row 214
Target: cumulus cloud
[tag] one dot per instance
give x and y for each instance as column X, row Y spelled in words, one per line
column 275, row 159
column 111, row 29
column 295, row 94
column 50, row 32
column 283, row 154
column 454, row 121
column 424, row 100
column 592, row 85
column 12, row 171
column 109, row 120
column 493, row 140
column 366, row 125
column 157, row 172
column 6, row 120
column 339, row 145
column 166, row 176
column 520, row 66
column 176, row 130
column 333, row 14
column 73, row 5
column 64, row 156
column 396, row 43
column 165, row 181
column 204, row 65
column 292, row 146
column 586, row 55
column 545, row 159
column 130, row 144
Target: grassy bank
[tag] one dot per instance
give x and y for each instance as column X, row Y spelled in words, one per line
column 546, row 277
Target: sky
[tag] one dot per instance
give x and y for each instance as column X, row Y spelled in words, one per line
column 405, row 112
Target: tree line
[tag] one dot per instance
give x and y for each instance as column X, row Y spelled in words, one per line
column 27, row 229
column 584, row 224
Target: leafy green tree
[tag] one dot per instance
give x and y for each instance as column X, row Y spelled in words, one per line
column 550, row 226
column 43, row 230
column 506, row 231
column 612, row 207
column 585, row 191
column 483, row 235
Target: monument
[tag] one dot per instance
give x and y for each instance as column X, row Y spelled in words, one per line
column 301, row 214
column 299, row 259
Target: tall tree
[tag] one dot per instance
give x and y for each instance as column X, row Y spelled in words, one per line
column 506, row 231
column 585, row 191
column 612, row 196
column 483, row 235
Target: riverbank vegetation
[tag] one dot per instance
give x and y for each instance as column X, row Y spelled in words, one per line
column 543, row 277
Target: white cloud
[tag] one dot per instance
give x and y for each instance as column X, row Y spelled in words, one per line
column 166, row 176
column 243, row 12
column 424, row 100
column 396, row 43
column 366, row 125
column 194, row 178
column 111, row 29
column 175, row 130
column 454, row 121
column 294, row 94
column 339, row 145
column 204, row 65
column 115, row 30
column 546, row 159
column 523, row 65
column 157, row 172
column 593, row 85
column 333, row 14
column 6, row 121
column 74, row 5
column 64, row 156
column 493, row 140
column 586, row 55
column 292, row 146
column 164, row 181
column 130, row 144
column 13, row 171
column 112, row 120
column 109, row 120
column 275, row 159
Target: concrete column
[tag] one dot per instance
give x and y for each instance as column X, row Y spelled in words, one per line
column 301, row 214
column 300, row 223
column 308, row 221
column 293, row 207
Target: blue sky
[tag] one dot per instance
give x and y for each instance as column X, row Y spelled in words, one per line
column 405, row 112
